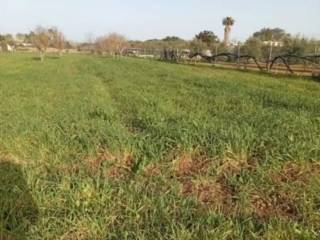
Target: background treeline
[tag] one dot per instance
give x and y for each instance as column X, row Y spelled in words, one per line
column 258, row 45
column 261, row 44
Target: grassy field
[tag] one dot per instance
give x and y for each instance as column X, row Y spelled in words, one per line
column 101, row 148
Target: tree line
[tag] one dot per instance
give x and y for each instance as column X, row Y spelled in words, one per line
column 41, row 38
column 261, row 44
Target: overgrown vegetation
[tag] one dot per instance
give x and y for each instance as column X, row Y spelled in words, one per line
column 107, row 148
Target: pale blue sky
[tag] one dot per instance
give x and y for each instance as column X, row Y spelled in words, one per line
column 144, row 19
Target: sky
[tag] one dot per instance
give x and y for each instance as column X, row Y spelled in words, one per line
column 81, row 20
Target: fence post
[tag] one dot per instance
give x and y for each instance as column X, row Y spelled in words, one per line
column 215, row 59
column 314, row 60
column 239, row 46
column 270, row 53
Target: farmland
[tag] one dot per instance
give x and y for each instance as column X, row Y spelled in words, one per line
column 120, row 148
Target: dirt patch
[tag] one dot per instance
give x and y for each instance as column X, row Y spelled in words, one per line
column 122, row 168
column 289, row 173
column 296, row 173
column 260, row 206
column 93, row 163
column 187, row 188
column 108, row 165
column 188, row 165
column 289, row 184
column 213, row 193
column 279, row 203
column 7, row 158
column 285, row 204
column 216, row 191
column 217, row 194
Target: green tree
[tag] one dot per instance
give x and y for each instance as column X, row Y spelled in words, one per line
column 172, row 39
column 271, row 34
column 208, row 38
column 253, row 46
column 7, row 39
column 295, row 45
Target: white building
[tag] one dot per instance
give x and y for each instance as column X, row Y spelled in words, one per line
column 273, row 43
column 7, row 48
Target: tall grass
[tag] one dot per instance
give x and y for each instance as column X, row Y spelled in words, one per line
column 98, row 141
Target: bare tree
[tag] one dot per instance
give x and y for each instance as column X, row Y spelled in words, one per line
column 58, row 40
column 41, row 39
column 112, row 44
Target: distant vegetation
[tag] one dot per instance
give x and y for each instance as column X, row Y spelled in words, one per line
column 262, row 44
column 111, row 45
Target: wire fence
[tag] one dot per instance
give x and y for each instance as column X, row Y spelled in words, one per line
column 306, row 65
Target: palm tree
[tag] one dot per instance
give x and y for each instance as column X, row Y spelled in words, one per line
column 228, row 22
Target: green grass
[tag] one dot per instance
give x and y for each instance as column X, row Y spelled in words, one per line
column 83, row 132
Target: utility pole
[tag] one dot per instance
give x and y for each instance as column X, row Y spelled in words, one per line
column 216, row 53
column 239, row 48
column 314, row 59
column 317, row 49
column 270, row 53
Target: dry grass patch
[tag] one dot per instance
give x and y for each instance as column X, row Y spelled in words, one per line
column 118, row 166
column 233, row 164
column 122, row 168
column 214, row 192
column 188, row 165
column 64, row 168
column 8, row 158
column 217, row 194
column 289, row 187
column 78, row 233
column 296, row 173
column 279, row 203
column 93, row 163
column 152, row 170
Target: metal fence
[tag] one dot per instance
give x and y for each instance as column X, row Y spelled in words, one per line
column 308, row 65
